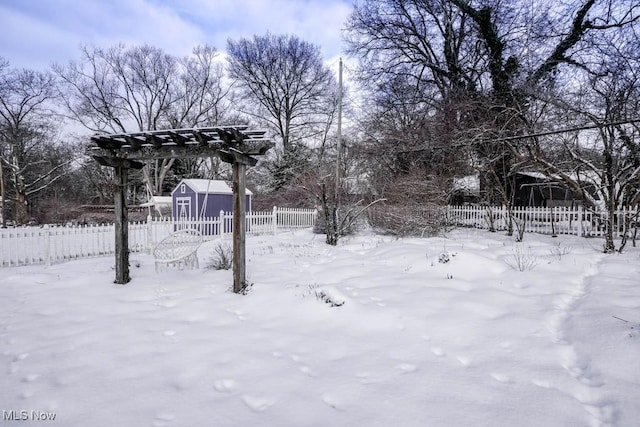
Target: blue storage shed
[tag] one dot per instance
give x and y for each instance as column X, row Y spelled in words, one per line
column 194, row 199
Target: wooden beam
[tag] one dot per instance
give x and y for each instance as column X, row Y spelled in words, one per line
column 117, row 139
column 235, row 156
column 134, row 142
column 202, row 138
column 239, row 236
column 140, row 145
column 226, row 136
column 122, row 227
column 154, row 140
column 116, row 162
column 174, row 151
column 178, row 138
column 107, row 143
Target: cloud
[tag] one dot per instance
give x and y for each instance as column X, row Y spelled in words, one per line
column 37, row 33
column 319, row 21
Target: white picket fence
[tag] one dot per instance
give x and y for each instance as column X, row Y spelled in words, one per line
column 555, row 221
column 50, row 244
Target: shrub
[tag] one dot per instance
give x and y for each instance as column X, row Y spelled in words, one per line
column 406, row 220
column 221, row 258
column 522, row 260
column 560, row 250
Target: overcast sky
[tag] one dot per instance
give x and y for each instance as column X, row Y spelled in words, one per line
column 36, row 33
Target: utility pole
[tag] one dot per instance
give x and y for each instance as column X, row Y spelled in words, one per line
column 339, row 137
column 2, row 197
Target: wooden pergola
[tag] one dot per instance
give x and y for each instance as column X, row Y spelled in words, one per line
column 236, row 145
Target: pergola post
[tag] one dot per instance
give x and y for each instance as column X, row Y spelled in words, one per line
column 239, row 226
column 121, row 226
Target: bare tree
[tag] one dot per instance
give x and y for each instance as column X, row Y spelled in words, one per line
column 284, row 84
column 28, row 135
column 605, row 157
column 142, row 88
column 199, row 96
column 489, row 69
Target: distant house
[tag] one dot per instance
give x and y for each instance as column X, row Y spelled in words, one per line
column 194, row 199
column 465, row 190
column 539, row 190
column 158, row 204
column 533, row 189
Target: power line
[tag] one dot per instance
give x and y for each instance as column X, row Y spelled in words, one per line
column 566, row 130
column 530, row 135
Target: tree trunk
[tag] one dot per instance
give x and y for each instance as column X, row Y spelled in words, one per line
column 609, row 243
column 20, row 211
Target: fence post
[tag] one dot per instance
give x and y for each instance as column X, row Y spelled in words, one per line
column 221, row 224
column 47, row 245
column 580, row 226
column 149, row 228
column 274, row 220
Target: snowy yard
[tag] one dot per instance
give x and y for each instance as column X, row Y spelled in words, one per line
column 432, row 332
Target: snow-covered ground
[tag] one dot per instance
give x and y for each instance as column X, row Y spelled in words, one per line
column 431, row 332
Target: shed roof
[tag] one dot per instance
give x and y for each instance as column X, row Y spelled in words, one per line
column 469, row 183
column 158, row 201
column 208, row 186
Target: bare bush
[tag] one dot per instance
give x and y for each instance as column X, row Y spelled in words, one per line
column 559, row 250
column 520, row 222
column 221, row 258
column 522, row 259
column 400, row 220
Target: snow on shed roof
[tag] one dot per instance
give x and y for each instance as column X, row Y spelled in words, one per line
column 531, row 174
column 211, row 186
column 469, row 183
column 158, row 201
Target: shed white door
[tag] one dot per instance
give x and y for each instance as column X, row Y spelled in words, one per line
column 183, row 210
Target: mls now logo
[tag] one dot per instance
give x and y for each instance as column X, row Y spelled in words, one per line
column 28, row 415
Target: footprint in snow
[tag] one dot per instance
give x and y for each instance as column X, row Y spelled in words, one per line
column 365, row 378
column 506, row 345
column 225, row 385
column 306, row 370
column 30, row 378
column 258, row 404
column 167, row 304
column 239, row 314
column 26, row 394
column 603, row 413
column 407, row 368
column 464, row 361
column 437, row 351
column 163, row 418
column 331, row 401
column 541, row 383
column 20, row 357
column 501, row 377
